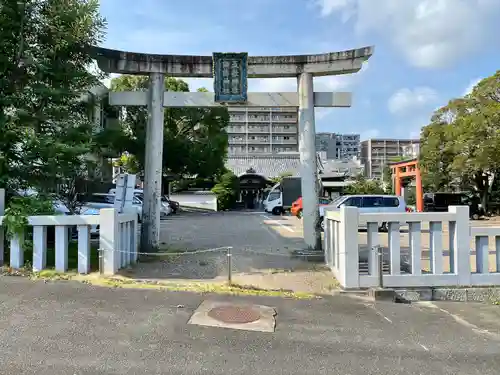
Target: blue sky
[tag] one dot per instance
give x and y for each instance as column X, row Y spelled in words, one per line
column 426, row 51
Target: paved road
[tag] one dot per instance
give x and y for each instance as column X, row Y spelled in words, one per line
column 70, row 328
column 256, row 240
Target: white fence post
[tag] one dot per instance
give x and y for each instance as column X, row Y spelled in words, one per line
column 327, row 239
column 61, row 247
column 83, row 249
column 348, row 265
column 2, row 230
column 134, row 241
column 39, row 247
column 461, row 244
column 108, row 239
column 17, row 251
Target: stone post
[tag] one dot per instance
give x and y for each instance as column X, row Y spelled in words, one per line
column 308, row 162
column 150, row 231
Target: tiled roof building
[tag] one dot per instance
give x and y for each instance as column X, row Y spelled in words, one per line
column 274, row 165
column 268, row 166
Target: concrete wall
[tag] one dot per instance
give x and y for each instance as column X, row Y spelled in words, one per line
column 197, row 199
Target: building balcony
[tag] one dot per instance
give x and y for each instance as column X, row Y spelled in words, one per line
column 285, row 109
column 263, row 150
column 237, row 119
column 281, row 119
column 258, row 130
column 284, row 141
column 258, row 119
column 235, row 129
column 259, row 109
column 237, row 141
column 258, row 141
column 290, row 130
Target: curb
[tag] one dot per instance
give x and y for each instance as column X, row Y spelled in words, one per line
column 465, row 294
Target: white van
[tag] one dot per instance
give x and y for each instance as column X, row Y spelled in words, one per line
column 274, row 201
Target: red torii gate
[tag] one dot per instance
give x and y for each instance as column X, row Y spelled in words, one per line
column 408, row 168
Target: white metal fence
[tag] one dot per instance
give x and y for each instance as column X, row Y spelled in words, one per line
column 117, row 242
column 439, row 249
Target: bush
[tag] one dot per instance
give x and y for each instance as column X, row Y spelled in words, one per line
column 226, row 190
column 20, row 207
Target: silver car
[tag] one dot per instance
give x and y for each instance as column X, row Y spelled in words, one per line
column 366, row 204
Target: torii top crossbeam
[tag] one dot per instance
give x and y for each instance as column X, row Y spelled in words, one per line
column 302, row 67
column 333, row 63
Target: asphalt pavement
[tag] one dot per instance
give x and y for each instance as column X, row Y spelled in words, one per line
column 73, row 328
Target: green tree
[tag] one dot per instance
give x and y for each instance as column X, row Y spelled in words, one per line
column 388, row 183
column 226, row 190
column 128, row 163
column 363, row 186
column 436, row 154
column 195, row 140
column 461, row 145
column 280, row 178
column 45, row 131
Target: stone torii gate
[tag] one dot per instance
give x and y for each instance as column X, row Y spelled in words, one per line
column 304, row 67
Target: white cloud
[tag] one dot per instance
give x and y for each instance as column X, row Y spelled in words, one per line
column 406, row 101
column 330, row 6
column 471, row 86
column 430, row 33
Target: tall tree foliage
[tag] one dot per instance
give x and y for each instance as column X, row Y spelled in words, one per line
column 195, row 142
column 362, row 185
column 45, row 131
column 462, row 143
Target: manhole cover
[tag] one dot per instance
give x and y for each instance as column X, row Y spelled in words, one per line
column 234, row 314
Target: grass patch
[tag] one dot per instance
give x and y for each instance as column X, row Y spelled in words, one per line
column 51, row 256
column 234, row 289
column 51, row 274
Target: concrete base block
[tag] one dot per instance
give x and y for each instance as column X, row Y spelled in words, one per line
column 412, row 295
column 483, row 294
column 379, row 294
column 447, row 294
column 472, row 294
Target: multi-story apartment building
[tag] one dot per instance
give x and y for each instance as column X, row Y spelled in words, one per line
column 257, row 131
column 326, row 143
column 338, row 146
column 377, row 153
column 411, row 151
column 348, row 146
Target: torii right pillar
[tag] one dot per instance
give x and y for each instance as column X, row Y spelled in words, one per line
column 308, row 162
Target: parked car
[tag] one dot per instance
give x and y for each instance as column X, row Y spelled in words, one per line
column 439, row 202
column 174, row 205
column 61, row 209
column 165, row 201
column 296, row 209
column 107, row 201
column 366, row 204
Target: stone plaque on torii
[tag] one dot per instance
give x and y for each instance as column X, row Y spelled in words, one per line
column 230, row 72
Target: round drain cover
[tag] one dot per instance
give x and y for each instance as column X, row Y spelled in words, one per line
column 234, row 314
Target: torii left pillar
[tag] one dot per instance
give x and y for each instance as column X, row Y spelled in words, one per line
column 150, row 230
